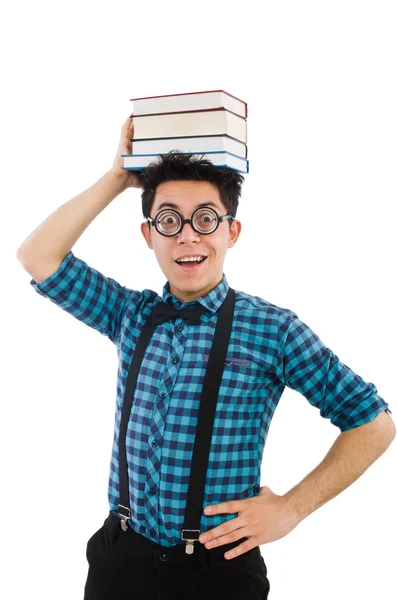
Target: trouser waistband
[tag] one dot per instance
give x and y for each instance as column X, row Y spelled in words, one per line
column 172, row 555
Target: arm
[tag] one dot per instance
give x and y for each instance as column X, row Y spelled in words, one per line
column 69, row 282
column 351, row 403
column 269, row 516
column 43, row 250
column 351, row 454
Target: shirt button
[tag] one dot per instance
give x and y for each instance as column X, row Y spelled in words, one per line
column 164, row 557
column 154, row 443
column 174, row 360
column 151, row 492
column 180, row 327
column 162, row 394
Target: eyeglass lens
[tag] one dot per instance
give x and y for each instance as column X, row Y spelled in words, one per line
column 205, row 220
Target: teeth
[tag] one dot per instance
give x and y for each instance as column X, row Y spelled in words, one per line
column 191, row 259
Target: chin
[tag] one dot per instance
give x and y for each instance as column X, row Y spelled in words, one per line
column 191, row 285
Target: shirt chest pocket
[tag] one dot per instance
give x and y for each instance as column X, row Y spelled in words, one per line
column 238, row 364
column 240, row 375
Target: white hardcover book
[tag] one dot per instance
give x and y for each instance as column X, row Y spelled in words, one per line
column 138, row 162
column 203, row 143
column 206, row 122
column 192, row 101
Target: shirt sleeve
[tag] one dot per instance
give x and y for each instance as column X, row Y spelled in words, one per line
column 312, row 369
column 87, row 295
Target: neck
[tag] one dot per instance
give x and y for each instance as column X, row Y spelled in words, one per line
column 190, row 296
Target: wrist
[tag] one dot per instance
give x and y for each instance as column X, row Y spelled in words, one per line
column 292, row 506
column 118, row 180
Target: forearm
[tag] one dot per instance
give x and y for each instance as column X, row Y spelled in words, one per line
column 351, row 454
column 57, row 234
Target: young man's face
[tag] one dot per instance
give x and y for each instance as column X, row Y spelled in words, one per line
column 188, row 285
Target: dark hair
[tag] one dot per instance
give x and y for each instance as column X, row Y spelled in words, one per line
column 176, row 166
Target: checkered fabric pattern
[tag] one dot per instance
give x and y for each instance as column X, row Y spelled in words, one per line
column 270, row 348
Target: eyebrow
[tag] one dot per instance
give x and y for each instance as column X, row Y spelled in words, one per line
column 172, row 205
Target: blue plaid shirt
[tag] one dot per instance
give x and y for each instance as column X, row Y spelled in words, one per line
column 269, row 348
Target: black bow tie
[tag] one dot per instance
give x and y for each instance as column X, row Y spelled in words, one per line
column 164, row 312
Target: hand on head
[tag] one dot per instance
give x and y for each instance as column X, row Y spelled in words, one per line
column 125, row 147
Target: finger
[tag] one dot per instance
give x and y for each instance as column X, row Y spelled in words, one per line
column 241, row 549
column 131, row 128
column 222, row 530
column 234, row 506
column 224, row 539
column 127, row 132
column 128, row 123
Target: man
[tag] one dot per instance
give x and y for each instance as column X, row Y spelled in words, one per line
column 201, row 371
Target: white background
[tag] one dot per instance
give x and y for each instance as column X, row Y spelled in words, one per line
column 318, row 237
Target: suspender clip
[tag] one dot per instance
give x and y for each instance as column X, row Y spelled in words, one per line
column 125, row 514
column 191, row 536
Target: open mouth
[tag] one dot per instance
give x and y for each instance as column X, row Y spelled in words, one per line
column 191, row 266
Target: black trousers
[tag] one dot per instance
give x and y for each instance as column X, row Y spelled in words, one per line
column 124, row 565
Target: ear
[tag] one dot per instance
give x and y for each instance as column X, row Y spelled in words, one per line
column 145, row 229
column 234, row 233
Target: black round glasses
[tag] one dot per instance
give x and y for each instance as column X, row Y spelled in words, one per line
column 205, row 220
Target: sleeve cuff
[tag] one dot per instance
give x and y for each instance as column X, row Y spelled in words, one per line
column 55, row 283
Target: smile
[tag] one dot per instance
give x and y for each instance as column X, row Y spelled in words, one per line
column 191, row 267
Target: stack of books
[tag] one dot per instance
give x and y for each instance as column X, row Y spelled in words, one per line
column 210, row 125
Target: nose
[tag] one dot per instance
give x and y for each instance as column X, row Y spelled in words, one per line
column 187, row 233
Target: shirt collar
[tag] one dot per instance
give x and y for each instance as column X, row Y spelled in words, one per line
column 212, row 300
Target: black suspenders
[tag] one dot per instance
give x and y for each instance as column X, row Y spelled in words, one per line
column 202, row 443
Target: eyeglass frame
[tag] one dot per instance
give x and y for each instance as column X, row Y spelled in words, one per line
column 153, row 222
